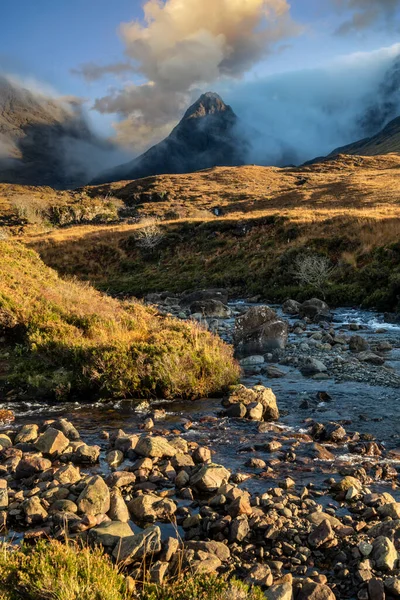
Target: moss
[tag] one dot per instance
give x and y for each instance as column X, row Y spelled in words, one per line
column 74, row 339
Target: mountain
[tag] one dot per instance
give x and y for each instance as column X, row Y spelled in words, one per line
column 384, row 142
column 45, row 141
column 207, row 136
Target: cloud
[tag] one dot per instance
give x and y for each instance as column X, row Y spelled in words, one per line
column 304, row 114
column 187, row 45
column 92, row 72
column 366, row 14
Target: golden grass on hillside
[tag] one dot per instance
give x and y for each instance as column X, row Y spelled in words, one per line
column 78, row 339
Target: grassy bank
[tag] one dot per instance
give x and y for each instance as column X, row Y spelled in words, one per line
column 53, row 570
column 68, row 338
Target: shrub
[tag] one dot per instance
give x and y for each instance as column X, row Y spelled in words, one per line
column 313, row 271
column 150, row 235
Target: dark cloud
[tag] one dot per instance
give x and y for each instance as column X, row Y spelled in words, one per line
column 92, row 72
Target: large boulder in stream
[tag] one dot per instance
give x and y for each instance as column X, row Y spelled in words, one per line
column 316, row 310
column 250, row 399
column 219, row 295
column 210, row 309
column 259, row 331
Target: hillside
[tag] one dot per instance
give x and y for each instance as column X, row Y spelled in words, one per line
column 45, row 141
column 65, row 338
column 207, row 136
column 346, row 209
column 384, row 142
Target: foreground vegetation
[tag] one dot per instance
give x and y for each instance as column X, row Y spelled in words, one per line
column 67, row 572
column 68, row 338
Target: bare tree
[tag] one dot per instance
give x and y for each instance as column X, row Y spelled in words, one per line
column 315, row 271
column 150, row 234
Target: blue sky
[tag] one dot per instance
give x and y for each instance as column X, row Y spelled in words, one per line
column 46, row 39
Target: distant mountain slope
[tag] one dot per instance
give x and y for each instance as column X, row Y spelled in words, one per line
column 45, row 141
column 206, row 137
column 384, row 142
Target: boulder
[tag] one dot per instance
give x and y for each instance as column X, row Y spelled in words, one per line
column 312, row 366
column 34, row 511
column 259, row 331
column 95, row 498
column 371, row 357
column 358, row 344
column 109, row 534
column 68, row 429
column 150, row 507
column 259, row 394
column 27, row 434
column 315, row 591
column 86, row 455
column 384, row 553
column 291, row 307
column 52, row 442
column 219, row 295
column 280, row 591
column 136, row 547
column 155, row 447
column 316, row 310
column 31, row 465
column 209, row 477
column 322, row 534
column 213, row 309
column 67, row 474
column 118, row 508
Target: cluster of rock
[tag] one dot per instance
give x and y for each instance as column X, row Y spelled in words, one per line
column 286, row 540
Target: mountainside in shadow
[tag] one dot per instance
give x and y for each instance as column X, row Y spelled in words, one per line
column 206, row 137
column 45, row 141
column 384, row 142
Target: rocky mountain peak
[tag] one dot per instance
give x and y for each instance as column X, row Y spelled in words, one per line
column 209, row 103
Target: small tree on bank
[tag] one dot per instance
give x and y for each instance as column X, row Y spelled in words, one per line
column 150, row 234
column 314, row 271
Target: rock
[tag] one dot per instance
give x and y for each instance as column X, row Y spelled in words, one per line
column 258, row 331
column 260, row 575
column 154, row 447
column 321, row 453
column 213, row 309
column 170, row 547
column 138, row 546
column 5, row 441
column 358, row 344
column 68, row 429
column 157, row 572
column 52, row 442
column 365, row 548
column 312, row 366
column 220, row 295
column 256, row 463
column 391, row 510
column 317, row 517
column 392, row 585
column 118, row 508
column 371, row 358
column 236, row 411
column 27, row 434
column 291, row 307
column 322, row 534
column 316, row 310
column 315, row 591
column 31, row 465
column 206, row 565
column 280, row 591
column 34, row 511
column 152, row 508
column 239, row 529
column 115, row 458
column 209, row 477
column 202, row 455
column 384, row 553
column 256, row 395
column 274, row 373
column 346, row 483
column 64, row 506
column 376, row 590
column 86, row 455
column 67, row 474
column 124, row 442
column 109, row 534
column 252, row 361
column 219, row 549
column 255, row 411
column 120, row 479
column 95, row 498
column 3, row 495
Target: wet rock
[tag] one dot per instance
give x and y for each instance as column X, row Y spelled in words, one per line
column 220, row 295
column 236, row 411
column 138, row 546
column 124, row 442
column 202, row 455
column 291, row 307
column 95, row 498
column 52, row 442
column 259, row 394
column 154, row 447
column 109, row 534
column 252, row 361
column 152, row 508
column 31, row 465
column 316, row 310
column 258, row 331
column 27, row 434
column 346, row 483
column 321, row 453
column 210, row 309
column 115, row 458
column 371, row 357
column 256, row 463
column 68, row 429
column 312, row 366
column 274, row 373
column 209, row 478
column 86, row 455
column 255, row 411
column 384, row 553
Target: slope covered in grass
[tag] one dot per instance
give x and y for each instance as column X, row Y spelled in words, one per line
column 71, row 338
column 69, row 572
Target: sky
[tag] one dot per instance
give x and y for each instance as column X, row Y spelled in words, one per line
column 138, row 63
